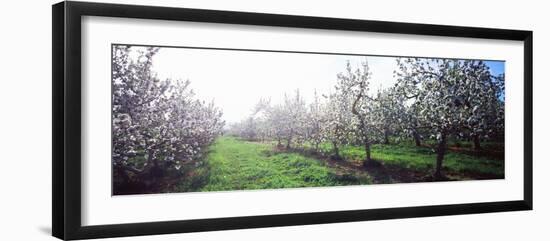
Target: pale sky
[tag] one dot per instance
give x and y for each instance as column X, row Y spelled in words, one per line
column 236, row 80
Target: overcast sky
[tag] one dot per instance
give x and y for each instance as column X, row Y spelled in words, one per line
column 236, row 80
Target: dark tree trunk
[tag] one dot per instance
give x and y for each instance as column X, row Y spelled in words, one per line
column 335, row 149
column 367, row 151
column 417, row 140
column 386, row 136
column 369, row 162
column 120, row 173
column 441, row 148
column 477, row 144
column 279, row 143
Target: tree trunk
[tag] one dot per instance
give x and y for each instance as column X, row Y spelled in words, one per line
column 477, row 144
column 417, row 140
column 369, row 162
column 335, row 149
column 441, row 148
column 367, row 151
column 386, row 136
column 121, row 173
column 288, row 143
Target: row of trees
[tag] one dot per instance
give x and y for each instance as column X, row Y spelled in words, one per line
column 432, row 99
column 158, row 126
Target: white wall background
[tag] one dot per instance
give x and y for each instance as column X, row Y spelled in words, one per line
column 25, row 122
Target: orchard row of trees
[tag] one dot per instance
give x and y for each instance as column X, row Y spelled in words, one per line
column 432, row 99
column 158, row 126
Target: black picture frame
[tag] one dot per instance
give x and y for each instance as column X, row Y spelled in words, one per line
column 66, row 127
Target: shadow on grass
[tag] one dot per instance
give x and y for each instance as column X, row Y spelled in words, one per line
column 385, row 173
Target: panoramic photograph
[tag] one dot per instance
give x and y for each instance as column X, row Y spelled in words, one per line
column 189, row 119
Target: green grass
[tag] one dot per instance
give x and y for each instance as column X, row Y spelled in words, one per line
column 234, row 164
column 238, row 165
column 423, row 158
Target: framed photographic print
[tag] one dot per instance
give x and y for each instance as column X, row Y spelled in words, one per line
column 170, row 120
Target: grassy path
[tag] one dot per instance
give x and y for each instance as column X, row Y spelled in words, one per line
column 233, row 164
column 238, row 165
